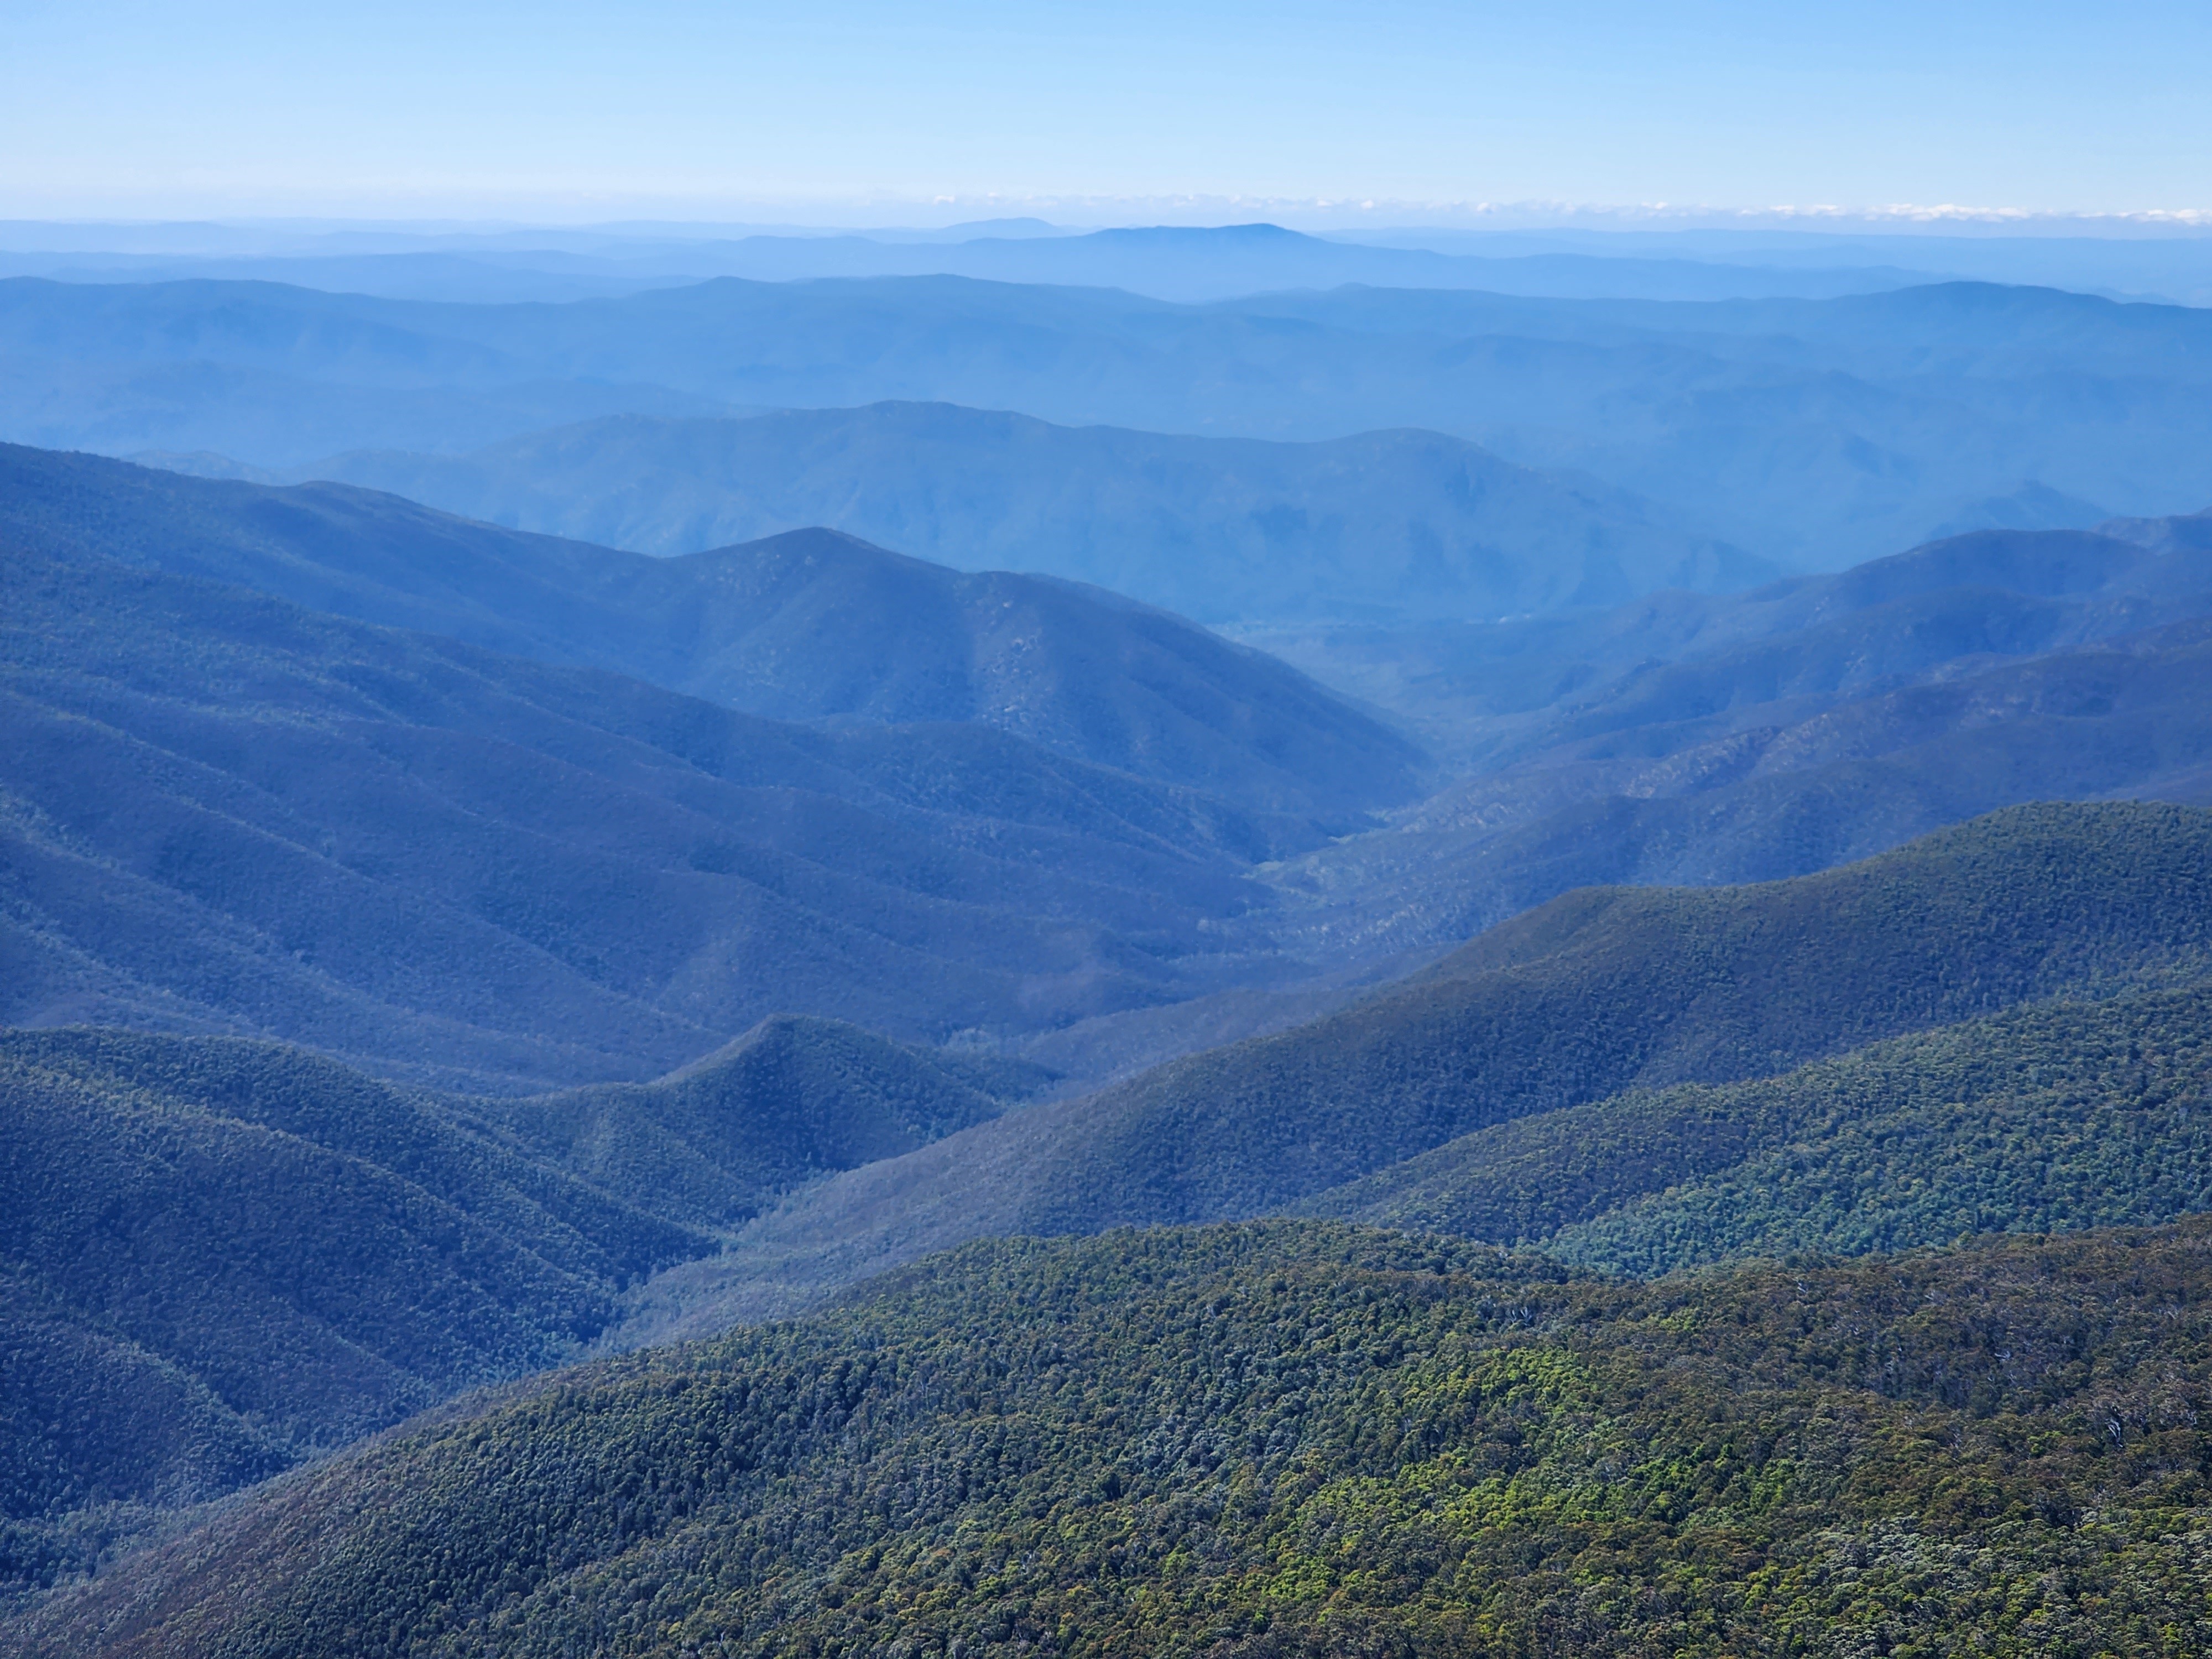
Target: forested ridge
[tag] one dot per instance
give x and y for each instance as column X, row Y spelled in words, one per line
column 807, row 623
column 1599, row 992
column 492, row 874
column 2052, row 1114
column 220, row 1256
column 1290, row 1438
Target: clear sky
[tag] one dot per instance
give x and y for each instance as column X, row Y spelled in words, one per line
column 857, row 112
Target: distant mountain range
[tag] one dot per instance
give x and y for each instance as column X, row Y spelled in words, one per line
column 1392, row 526
column 1809, row 432
column 559, row 262
column 1165, row 261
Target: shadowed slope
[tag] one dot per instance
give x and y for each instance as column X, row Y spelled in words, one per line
column 222, row 1256
column 228, row 813
column 792, row 1098
column 234, row 1253
column 806, row 625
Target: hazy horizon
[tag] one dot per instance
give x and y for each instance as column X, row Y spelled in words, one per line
column 1054, row 215
column 859, row 113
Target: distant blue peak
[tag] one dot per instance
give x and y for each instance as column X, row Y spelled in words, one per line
column 1238, row 234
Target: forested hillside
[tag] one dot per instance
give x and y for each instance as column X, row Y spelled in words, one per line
column 230, row 814
column 1601, row 991
column 805, row 625
column 1689, row 738
column 1684, row 667
column 2053, row 1116
column 1287, row 1439
column 429, row 1242
column 221, row 1256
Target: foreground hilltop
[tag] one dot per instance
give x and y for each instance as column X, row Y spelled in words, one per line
column 1286, row 1439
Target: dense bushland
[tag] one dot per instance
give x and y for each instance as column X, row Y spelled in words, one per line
column 1600, row 991
column 222, row 1256
column 2062, row 1115
column 1290, row 1438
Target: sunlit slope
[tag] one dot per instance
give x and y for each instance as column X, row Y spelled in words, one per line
column 1284, row 1439
column 1600, row 991
column 2049, row 1116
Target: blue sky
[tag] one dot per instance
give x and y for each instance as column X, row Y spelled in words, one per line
column 870, row 113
